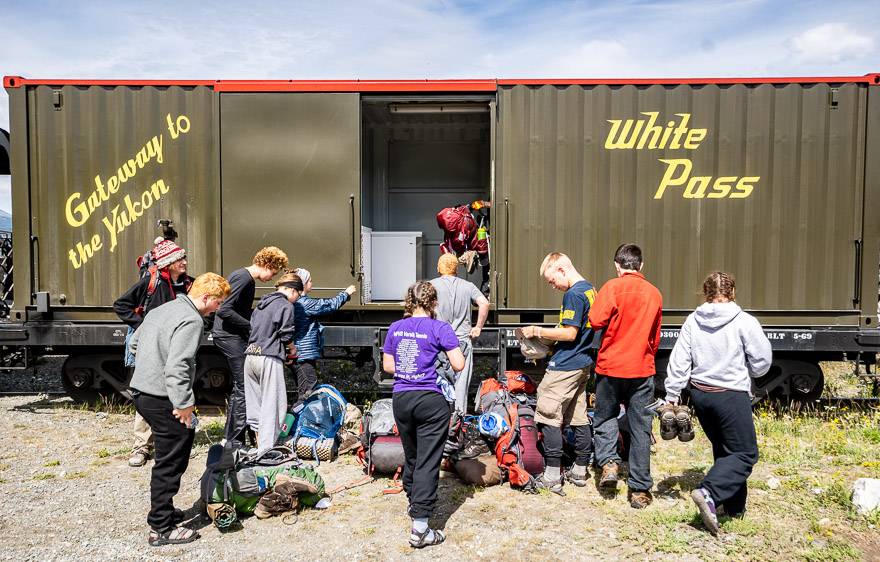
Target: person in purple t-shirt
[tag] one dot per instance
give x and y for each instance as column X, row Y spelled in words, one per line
column 420, row 408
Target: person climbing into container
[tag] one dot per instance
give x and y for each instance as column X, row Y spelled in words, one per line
column 562, row 393
column 165, row 346
column 164, row 278
column 309, row 335
column 719, row 349
column 272, row 330
column 454, row 299
column 629, row 309
column 232, row 329
column 419, row 402
column 466, row 237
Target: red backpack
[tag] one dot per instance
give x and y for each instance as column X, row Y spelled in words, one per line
column 516, row 451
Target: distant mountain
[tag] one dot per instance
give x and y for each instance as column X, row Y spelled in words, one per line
column 5, row 221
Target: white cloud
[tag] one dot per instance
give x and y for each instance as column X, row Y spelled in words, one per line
column 830, row 43
column 385, row 39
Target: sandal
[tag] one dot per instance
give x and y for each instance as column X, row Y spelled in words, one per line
column 177, row 535
column 421, row 540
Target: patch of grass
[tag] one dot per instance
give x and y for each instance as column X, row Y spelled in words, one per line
column 76, row 475
column 19, row 426
column 103, row 453
column 4, row 465
column 43, row 476
column 52, row 463
column 830, row 550
column 838, row 493
column 744, row 527
column 105, row 404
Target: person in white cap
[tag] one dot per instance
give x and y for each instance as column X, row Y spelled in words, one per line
column 309, row 334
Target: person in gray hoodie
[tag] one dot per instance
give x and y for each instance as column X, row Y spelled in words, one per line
column 272, row 331
column 720, row 348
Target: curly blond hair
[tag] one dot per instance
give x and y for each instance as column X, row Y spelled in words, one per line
column 210, row 284
column 271, row 257
column 420, row 294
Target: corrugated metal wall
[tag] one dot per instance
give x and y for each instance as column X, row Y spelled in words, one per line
column 94, row 131
column 789, row 243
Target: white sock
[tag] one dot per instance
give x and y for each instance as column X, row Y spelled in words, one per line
column 552, row 473
column 579, row 470
column 420, row 525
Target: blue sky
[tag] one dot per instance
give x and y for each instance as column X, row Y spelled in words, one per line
column 434, row 39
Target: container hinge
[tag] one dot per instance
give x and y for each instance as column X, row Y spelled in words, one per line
column 857, row 281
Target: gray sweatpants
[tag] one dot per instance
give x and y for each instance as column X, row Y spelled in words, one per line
column 463, row 382
column 265, row 397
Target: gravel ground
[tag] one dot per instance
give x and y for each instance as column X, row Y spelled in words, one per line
column 70, row 496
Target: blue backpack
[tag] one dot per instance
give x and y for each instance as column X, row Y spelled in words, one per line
column 320, row 416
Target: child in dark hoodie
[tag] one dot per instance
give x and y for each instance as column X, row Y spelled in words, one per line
column 719, row 350
column 272, row 330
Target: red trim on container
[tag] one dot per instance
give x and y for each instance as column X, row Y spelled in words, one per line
column 467, row 85
column 356, row 86
column 18, row 81
column 873, row 79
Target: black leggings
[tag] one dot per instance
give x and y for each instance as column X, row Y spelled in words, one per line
column 422, row 419
column 553, row 443
column 306, row 378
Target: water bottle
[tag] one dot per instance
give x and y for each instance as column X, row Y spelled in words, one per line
column 193, row 422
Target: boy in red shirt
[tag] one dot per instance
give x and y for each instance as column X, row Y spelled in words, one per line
column 629, row 309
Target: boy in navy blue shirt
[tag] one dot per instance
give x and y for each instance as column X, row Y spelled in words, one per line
column 562, row 398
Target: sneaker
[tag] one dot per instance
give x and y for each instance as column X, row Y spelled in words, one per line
column 542, row 483
column 139, row 457
column 429, row 537
column 684, row 424
column 640, row 500
column 609, row 476
column 577, row 479
column 706, row 505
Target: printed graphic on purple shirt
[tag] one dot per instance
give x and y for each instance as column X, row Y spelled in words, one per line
column 415, row 343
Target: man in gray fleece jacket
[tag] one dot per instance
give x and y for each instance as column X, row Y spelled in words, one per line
column 719, row 349
column 165, row 346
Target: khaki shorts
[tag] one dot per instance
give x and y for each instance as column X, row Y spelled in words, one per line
column 562, row 398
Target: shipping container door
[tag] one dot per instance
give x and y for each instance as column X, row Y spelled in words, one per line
column 763, row 181
column 290, row 167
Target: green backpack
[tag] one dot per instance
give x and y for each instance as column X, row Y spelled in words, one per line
column 234, row 479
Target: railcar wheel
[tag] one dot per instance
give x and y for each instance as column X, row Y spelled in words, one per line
column 79, row 382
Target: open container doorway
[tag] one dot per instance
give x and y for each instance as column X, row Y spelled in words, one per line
column 421, row 154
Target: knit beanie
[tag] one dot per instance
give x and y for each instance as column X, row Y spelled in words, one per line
column 167, row 252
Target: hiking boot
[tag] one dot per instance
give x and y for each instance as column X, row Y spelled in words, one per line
column 577, row 479
column 139, row 457
column 683, row 422
column 706, row 505
column 609, row 476
column 469, row 259
column 430, row 537
column 640, row 500
column 668, row 424
column 542, row 483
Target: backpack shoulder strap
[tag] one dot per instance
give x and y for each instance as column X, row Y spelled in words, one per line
column 154, row 280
